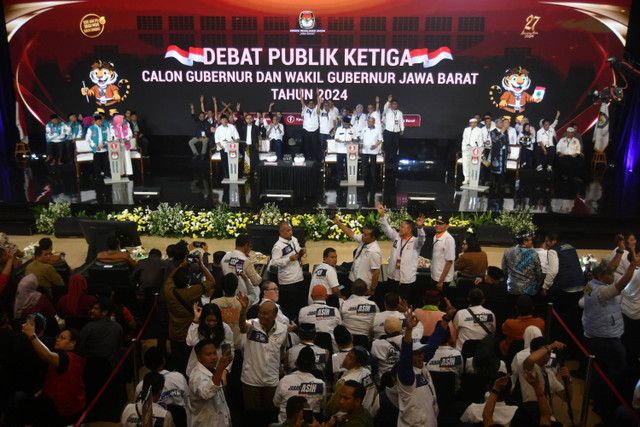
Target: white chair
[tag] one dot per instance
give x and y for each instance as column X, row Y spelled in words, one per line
column 214, row 157
column 513, row 159
column 330, row 155
column 83, row 154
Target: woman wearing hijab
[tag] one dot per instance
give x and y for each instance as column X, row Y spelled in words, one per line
column 77, row 303
column 29, row 300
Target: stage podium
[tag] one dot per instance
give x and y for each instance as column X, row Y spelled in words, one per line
column 116, row 162
column 474, row 171
column 232, row 150
column 352, row 149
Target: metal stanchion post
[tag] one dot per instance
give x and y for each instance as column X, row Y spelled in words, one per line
column 136, row 368
column 547, row 326
column 587, row 390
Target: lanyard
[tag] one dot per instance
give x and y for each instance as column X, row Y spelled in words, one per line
column 402, row 247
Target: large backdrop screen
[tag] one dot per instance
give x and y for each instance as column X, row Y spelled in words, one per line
column 443, row 61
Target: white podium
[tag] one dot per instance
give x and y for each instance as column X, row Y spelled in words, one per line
column 352, row 166
column 474, row 171
column 116, row 162
column 232, row 150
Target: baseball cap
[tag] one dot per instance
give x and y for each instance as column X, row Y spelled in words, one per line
column 570, row 129
column 392, row 325
column 442, row 219
column 473, row 120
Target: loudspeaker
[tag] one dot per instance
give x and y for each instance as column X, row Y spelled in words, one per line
column 495, row 235
column 67, row 227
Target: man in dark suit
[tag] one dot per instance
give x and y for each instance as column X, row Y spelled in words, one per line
column 139, row 133
column 251, row 133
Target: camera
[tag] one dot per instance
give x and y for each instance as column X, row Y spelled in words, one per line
column 193, row 258
column 198, row 244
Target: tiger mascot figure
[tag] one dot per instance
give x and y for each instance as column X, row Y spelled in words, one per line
column 106, row 88
column 515, row 82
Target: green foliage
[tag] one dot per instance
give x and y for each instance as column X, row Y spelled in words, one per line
column 46, row 217
column 518, row 220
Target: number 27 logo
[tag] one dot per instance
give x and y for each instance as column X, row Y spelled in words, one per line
column 531, row 23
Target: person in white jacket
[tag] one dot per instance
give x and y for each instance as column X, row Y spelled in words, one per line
column 207, row 323
column 121, row 131
column 471, row 138
column 207, row 404
column 403, row 260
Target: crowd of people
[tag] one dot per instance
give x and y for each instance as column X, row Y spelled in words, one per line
column 340, row 345
column 541, row 149
column 97, row 130
column 372, row 129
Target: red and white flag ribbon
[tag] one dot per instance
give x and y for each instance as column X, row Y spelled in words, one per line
column 195, row 54
column 430, row 59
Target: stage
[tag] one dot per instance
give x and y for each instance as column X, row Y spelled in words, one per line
column 422, row 186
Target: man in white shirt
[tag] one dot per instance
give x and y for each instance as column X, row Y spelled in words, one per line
column 368, row 256
column 131, row 415
column 310, row 126
column 386, row 348
column 443, row 255
column 545, row 150
column 447, row 359
column 471, row 138
column 391, row 301
column 325, row 317
column 252, row 134
column 371, row 141
column 375, row 113
column 237, row 262
column 275, row 133
column 207, row 404
column 263, row 352
column 327, row 126
column 474, row 322
column 536, row 363
column 325, row 275
column 286, row 256
column 225, row 134
column 354, row 365
column 307, row 335
column 301, row 382
column 570, row 156
column 345, row 135
column 358, row 311
column 393, row 128
column 403, row 260
column 175, row 390
column 502, row 413
column 344, row 342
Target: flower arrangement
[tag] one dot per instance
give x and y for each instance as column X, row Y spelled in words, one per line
column 518, row 220
column 139, row 252
column 221, row 223
column 46, row 217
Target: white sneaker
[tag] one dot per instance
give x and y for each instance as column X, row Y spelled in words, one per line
column 465, row 182
column 549, row 168
column 539, row 168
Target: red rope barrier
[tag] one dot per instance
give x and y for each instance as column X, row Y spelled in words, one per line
column 118, row 366
column 595, row 364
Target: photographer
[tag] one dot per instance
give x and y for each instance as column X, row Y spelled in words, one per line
column 182, row 289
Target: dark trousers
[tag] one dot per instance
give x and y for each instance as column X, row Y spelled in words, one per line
column 143, row 143
column 543, row 160
column 55, row 150
column 391, row 143
column 310, row 144
column 341, row 164
column 566, row 304
column 276, row 147
column 526, row 158
column 254, row 157
column 322, row 147
column 611, row 356
column 570, row 167
column 369, row 168
column 101, row 165
column 69, row 151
